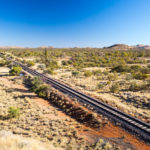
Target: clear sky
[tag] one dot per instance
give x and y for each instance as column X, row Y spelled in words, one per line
column 70, row 23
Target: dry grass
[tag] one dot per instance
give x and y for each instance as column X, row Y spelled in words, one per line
column 8, row 141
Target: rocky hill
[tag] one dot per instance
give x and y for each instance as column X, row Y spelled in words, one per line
column 127, row 47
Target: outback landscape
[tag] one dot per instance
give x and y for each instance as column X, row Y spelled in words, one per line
column 118, row 75
column 74, row 75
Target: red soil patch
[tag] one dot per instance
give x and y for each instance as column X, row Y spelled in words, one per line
column 110, row 131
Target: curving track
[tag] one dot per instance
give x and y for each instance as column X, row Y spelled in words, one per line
column 131, row 124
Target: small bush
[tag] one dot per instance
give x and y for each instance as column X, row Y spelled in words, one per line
column 129, row 77
column 140, row 76
column 50, row 71
column 106, row 72
column 101, row 85
column 30, row 63
column 15, row 70
column 75, row 73
column 112, row 77
column 135, row 68
column 4, row 63
column 121, row 68
column 97, row 72
column 135, row 87
column 35, row 84
column 145, row 70
column 13, row 112
column 64, row 63
column 43, row 91
column 114, row 88
column 87, row 73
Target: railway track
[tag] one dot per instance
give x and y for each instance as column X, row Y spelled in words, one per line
column 131, row 124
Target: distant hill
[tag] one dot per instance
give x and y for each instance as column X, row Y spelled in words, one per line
column 141, row 46
column 7, row 47
column 120, row 47
column 127, row 47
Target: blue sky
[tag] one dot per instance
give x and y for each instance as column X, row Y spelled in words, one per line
column 70, row 23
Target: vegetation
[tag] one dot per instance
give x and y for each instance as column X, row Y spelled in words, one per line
column 87, row 73
column 4, row 63
column 114, row 88
column 30, row 63
column 13, row 112
column 16, row 70
column 75, row 73
column 35, row 83
column 43, row 91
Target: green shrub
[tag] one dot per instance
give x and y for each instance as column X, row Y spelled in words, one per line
column 129, row 77
column 35, row 84
column 13, row 112
column 101, row 85
column 97, row 72
column 112, row 77
column 4, row 63
column 15, row 70
column 114, row 88
column 64, row 63
column 87, row 73
column 121, row 68
column 135, row 68
column 140, row 76
column 135, row 87
column 75, row 73
column 50, row 71
column 43, row 91
column 30, row 63
column 145, row 70
column 106, row 72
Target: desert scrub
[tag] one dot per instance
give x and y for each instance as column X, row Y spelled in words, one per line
column 129, row 77
column 103, row 145
column 87, row 73
column 35, row 83
column 50, row 71
column 43, row 91
column 4, row 63
column 112, row 76
column 30, row 63
column 97, row 72
column 137, row 87
column 121, row 68
column 101, row 85
column 114, row 88
column 15, row 70
column 140, row 76
column 13, row 112
column 75, row 73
